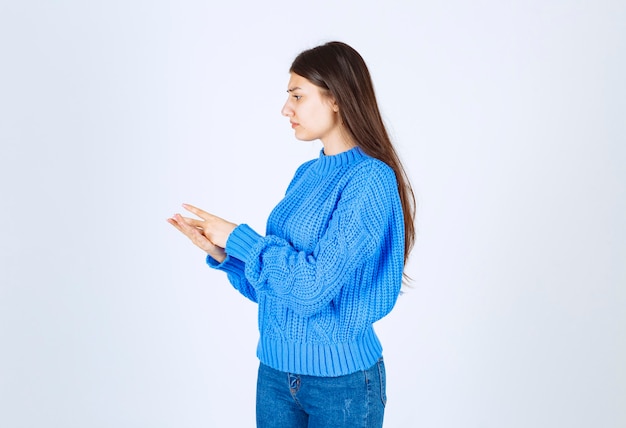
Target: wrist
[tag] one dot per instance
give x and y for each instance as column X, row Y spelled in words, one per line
column 217, row 253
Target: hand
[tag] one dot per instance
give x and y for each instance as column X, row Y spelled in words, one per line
column 209, row 234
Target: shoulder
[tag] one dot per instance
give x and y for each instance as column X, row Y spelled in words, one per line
column 303, row 167
column 374, row 172
column 370, row 183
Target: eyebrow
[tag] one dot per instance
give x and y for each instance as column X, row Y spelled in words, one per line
column 295, row 88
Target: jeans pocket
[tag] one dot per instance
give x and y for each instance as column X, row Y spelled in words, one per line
column 383, row 380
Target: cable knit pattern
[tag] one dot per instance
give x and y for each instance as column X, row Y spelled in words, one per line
column 328, row 267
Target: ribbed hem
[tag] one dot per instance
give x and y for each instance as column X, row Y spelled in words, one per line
column 328, row 360
column 241, row 241
column 229, row 265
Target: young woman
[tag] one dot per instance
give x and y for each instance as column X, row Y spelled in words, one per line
column 332, row 259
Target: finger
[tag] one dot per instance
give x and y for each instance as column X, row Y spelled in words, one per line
column 200, row 224
column 173, row 223
column 181, row 226
column 197, row 211
column 191, row 232
column 193, row 222
column 184, row 222
column 197, row 237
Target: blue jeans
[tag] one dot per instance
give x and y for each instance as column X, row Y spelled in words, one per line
column 286, row 400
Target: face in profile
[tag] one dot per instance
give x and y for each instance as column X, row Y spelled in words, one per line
column 312, row 114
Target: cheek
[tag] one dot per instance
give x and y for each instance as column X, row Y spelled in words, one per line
column 328, row 119
column 322, row 116
column 316, row 117
column 308, row 117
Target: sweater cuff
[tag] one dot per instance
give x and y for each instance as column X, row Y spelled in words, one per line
column 241, row 241
column 229, row 265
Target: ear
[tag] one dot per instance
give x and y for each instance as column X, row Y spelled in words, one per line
column 332, row 102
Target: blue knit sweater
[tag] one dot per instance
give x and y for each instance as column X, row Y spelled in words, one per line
column 329, row 266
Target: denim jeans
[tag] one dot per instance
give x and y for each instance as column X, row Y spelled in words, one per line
column 286, row 400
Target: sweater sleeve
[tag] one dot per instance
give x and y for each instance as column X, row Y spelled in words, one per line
column 307, row 281
column 234, row 269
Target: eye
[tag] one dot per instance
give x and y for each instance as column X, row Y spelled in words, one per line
column 297, row 97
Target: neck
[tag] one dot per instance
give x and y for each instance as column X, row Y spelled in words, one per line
column 341, row 143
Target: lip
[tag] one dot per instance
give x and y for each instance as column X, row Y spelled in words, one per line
column 294, row 124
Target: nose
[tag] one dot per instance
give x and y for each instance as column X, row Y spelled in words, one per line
column 287, row 110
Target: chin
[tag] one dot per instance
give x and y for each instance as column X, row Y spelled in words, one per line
column 305, row 138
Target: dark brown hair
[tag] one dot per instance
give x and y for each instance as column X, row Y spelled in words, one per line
column 340, row 70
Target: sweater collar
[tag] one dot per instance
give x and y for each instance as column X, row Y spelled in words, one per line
column 328, row 163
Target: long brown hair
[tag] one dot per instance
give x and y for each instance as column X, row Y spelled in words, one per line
column 339, row 70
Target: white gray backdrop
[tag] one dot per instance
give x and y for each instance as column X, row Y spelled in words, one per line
column 510, row 117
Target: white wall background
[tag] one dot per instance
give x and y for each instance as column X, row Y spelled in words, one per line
column 510, row 117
